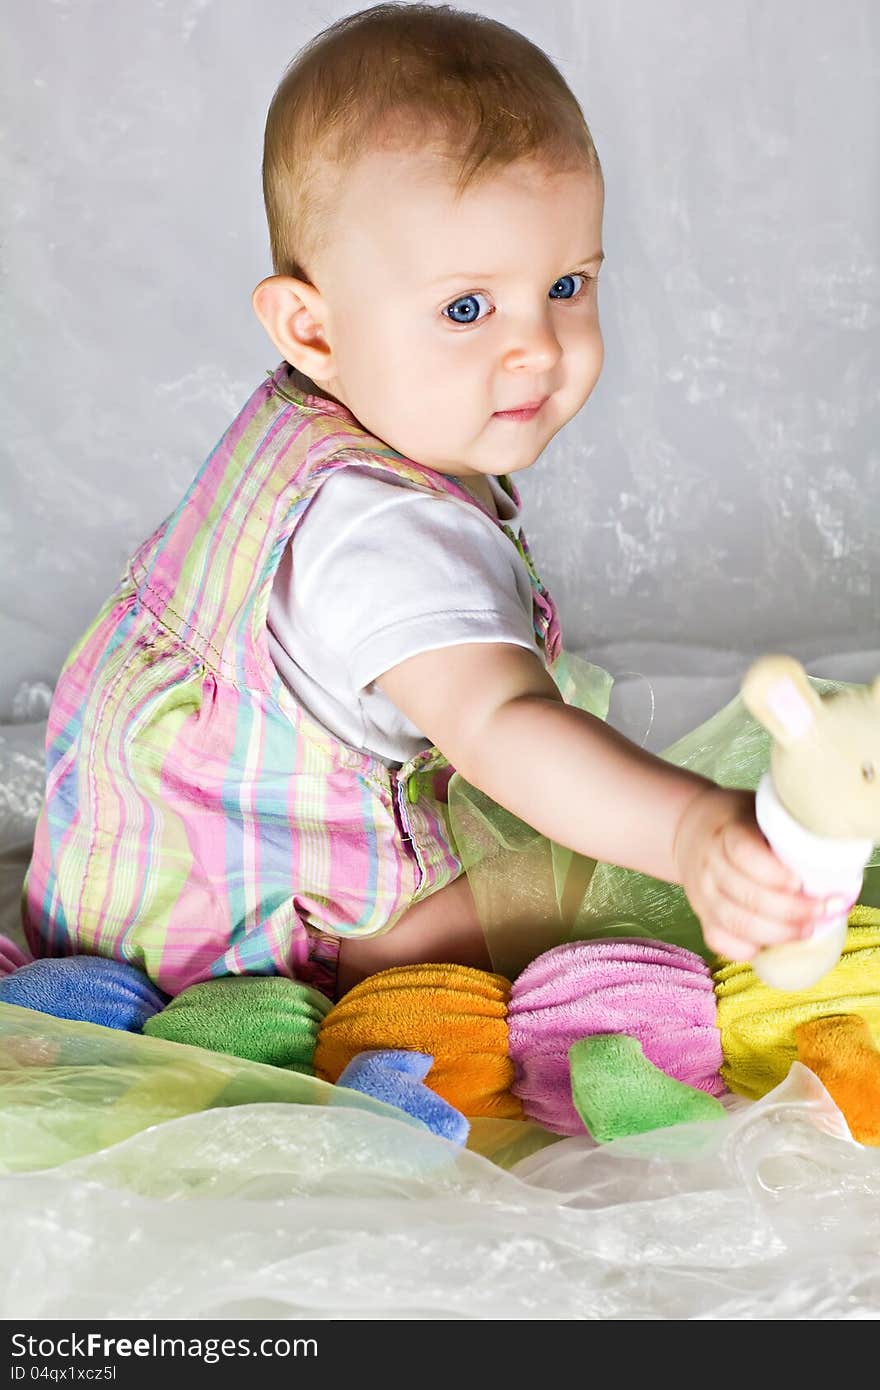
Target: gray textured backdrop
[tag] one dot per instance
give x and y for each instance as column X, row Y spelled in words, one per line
column 719, row 489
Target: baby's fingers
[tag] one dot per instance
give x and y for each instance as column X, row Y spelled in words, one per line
column 765, row 913
column 725, row 944
column 747, row 851
column 743, row 908
column 749, row 875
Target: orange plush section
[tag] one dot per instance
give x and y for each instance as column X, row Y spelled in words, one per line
column 841, row 1051
column 455, row 1013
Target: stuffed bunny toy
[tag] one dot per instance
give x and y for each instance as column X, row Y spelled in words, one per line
column 819, row 803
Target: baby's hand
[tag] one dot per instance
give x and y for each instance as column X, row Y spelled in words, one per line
column 744, row 896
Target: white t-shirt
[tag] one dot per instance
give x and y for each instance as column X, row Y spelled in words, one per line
column 378, row 570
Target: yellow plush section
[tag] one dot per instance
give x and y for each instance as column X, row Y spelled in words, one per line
column 758, row 1024
column 455, row 1013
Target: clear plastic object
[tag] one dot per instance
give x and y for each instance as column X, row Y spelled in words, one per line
column 242, row 1191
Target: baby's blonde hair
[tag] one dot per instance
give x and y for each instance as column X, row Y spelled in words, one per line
column 400, row 76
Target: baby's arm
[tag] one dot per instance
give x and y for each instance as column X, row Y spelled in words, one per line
column 498, row 717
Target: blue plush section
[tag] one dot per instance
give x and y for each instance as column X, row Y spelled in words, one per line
column 93, row 989
column 397, row 1078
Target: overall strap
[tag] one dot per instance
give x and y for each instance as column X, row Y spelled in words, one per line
column 207, row 572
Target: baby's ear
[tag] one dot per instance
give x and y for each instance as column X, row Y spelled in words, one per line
column 777, row 692
column 290, row 311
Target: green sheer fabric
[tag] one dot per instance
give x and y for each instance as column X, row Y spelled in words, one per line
column 532, row 893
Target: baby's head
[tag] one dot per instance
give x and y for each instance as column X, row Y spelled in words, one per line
column 435, row 211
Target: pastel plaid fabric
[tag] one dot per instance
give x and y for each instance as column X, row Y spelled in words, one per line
column 197, row 822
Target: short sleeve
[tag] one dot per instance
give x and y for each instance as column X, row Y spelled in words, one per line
column 381, row 571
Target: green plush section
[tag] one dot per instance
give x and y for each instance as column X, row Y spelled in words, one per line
column 617, row 1091
column 261, row 1018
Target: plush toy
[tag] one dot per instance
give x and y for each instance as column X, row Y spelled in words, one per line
column 620, row 1037
column 613, row 1037
column 819, row 803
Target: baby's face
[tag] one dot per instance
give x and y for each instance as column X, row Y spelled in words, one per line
column 438, row 313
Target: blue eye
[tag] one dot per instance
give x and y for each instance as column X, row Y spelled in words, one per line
column 562, row 280
column 466, row 305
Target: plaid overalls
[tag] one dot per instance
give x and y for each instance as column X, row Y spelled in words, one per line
column 197, row 821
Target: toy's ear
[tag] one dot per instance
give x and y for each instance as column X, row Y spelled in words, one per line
column 777, row 692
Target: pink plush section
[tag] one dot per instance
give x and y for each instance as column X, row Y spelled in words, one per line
column 11, row 956
column 658, row 993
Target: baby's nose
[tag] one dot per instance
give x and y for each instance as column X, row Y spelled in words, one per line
column 535, row 350
column 533, row 342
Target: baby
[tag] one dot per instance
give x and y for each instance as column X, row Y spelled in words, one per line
column 248, row 752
